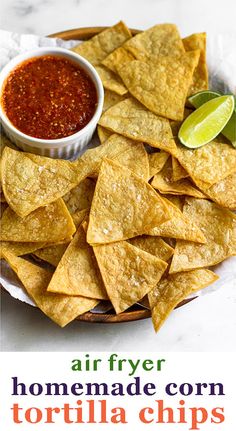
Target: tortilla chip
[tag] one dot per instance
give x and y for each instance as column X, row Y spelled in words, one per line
column 124, row 206
column 157, row 162
column 178, row 172
column 103, row 134
column 20, row 248
column 219, row 227
column 128, row 272
column 163, row 182
column 224, row 192
column 51, row 223
column 30, row 181
column 210, row 163
column 77, row 273
column 153, row 245
column 118, row 58
column 200, row 75
column 62, row 309
column 53, row 254
column 5, row 142
column 121, row 149
column 111, row 99
column 80, row 197
column 133, row 120
column 179, row 226
column 173, row 289
column 161, row 85
column 100, row 46
column 111, row 81
column 160, row 40
column 178, row 201
column 175, row 125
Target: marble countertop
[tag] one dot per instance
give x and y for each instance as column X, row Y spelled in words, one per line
column 206, row 324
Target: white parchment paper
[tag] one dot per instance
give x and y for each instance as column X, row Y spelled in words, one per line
column 221, row 58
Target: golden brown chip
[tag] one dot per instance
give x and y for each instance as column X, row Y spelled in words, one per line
column 161, row 85
column 103, row 134
column 128, row 272
column 163, row 182
column 224, row 192
column 157, row 162
column 162, row 39
column 121, row 149
column 200, row 76
column 179, row 226
column 101, row 45
column 20, row 248
column 178, row 201
column 111, row 81
column 210, row 163
column 80, row 197
column 153, row 245
column 175, row 125
column 133, row 120
column 119, row 57
column 111, row 99
column 53, row 254
column 77, row 272
column 219, row 227
column 173, row 289
column 30, row 181
column 51, row 223
column 124, row 206
column 62, row 309
column 178, row 172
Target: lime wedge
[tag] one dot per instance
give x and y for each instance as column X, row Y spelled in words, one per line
column 204, row 124
column 229, row 131
column 198, row 99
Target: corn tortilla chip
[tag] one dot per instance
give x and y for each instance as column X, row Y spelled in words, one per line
column 111, row 81
column 224, row 192
column 219, row 227
column 111, row 98
column 161, row 85
column 157, row 162
column 128, row 272
column 20, row 248
column 200, row 75
column 53, row 254
column 51, row 223
column 179, row 226
column 162, row 181
column 117, row 58
column 77, row 272
column 175, row 288
column 100, row 46
column 62, row 309
column 133, row 120
column 30, row 181
column 121, row 149
column 160, row 40
column 178, row 172
column 103, row 134
column 153, row 245
column 123, row 206
column 209, row 164
column 80, row 197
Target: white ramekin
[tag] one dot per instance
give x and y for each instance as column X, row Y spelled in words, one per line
column 57, row 148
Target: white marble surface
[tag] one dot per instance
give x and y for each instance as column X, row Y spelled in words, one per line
column 206, row 324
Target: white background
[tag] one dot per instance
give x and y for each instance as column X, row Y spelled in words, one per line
column 208, row 323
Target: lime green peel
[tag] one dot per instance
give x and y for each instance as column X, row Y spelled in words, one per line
column 204, row 124
column 198, row 99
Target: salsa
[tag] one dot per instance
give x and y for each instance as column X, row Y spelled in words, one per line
column 49, row 97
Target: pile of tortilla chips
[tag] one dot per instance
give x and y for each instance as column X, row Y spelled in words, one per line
column 139, row 218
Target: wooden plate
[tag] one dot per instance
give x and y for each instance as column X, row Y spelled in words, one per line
column 136, row 313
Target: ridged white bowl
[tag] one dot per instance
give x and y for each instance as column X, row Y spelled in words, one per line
column 65, row 148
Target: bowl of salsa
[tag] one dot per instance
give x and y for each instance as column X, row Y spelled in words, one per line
column 50, row 101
